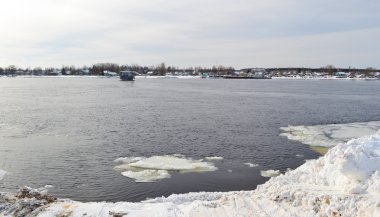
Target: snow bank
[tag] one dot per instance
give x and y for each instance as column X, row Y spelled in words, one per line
column 344, row 182
column 150, row 169
column 329, row 135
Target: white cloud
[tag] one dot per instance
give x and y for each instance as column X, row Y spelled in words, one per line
column 241, row 33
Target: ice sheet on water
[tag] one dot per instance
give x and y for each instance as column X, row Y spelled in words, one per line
column 331, row 134
column 146, row 175
column 150, row 169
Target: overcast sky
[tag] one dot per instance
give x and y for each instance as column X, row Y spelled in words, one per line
column 239, row 33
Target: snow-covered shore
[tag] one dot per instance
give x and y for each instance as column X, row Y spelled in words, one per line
column 184, row 77
column 344, row 182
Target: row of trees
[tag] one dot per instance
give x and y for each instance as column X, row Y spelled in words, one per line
column 99, row 68
column 329, row 70
column 162, row 69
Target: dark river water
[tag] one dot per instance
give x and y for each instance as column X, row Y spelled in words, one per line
column 67, row 132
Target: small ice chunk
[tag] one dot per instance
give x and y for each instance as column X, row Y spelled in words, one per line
column 214, row 158
column 230, row 171
column 2, row 174
column 149, row 169
column 251, row 164
column 270, row 173
column 49, row 186
column 299, row 155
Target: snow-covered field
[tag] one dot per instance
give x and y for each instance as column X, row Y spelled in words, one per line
column 344, row 182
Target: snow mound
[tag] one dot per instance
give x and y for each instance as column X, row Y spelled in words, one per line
column 344, row 182
column 150, row 169
column 329, row 135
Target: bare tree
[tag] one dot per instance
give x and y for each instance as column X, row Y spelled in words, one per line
column 162, row 69
column 10, row 70
column 369, row 71
column 330, row 69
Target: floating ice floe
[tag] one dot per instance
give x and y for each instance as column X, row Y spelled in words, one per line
column 214, row 158
column 329, row 135
column 2, row 174
column 146, row 175
column 270, row 173
column 251, row 165
column 344, row 182
column 150, row 169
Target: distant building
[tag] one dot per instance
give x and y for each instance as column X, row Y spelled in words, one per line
column 84, row 72
column 55, row 72
column 341, row 75
column 110, row 74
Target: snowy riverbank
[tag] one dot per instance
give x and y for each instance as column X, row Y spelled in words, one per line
column 344, row 182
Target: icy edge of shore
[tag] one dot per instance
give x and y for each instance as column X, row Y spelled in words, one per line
column 344, row 182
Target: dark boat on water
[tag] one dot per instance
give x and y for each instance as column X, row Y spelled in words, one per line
column 127, row 75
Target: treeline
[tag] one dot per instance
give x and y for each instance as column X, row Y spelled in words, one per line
column 161, row 69
column 100, row 68
column 328, row 70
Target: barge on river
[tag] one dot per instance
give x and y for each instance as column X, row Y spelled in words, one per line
column 127, row 75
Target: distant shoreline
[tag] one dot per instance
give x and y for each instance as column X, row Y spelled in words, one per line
column 187, row 77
